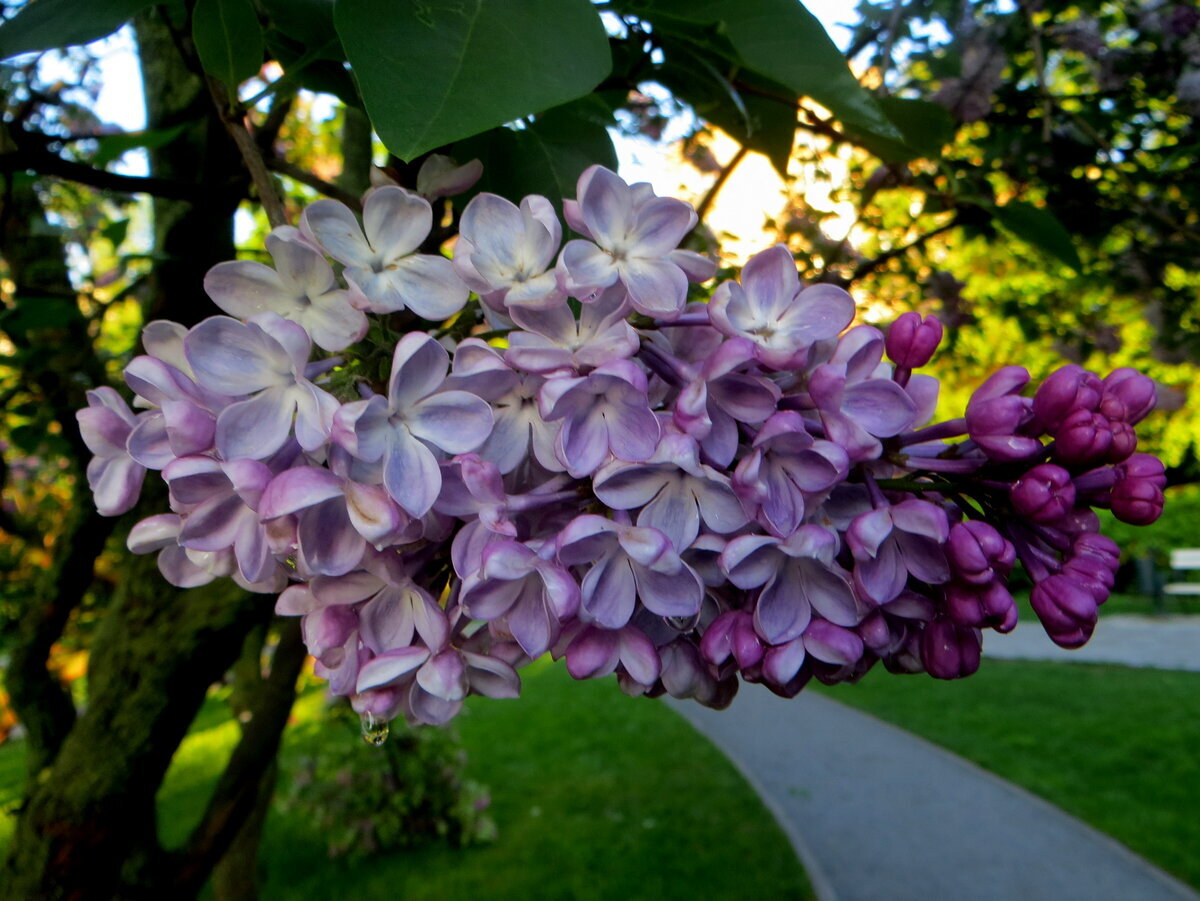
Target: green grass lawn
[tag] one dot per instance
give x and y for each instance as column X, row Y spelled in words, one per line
column 1115, row 746
column 595, row 795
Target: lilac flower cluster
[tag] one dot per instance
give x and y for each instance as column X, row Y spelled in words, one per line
column 569, row 456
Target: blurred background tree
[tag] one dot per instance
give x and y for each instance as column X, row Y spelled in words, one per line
column 1020, row 169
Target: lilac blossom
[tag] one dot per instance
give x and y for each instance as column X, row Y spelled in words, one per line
column 798, row 576
column 265, row 358
column 630, row 240
column 627, row 563
column 770, row 309
column 301, row 287
column 380, row 255
column 674, row 491
column 553, row 340
column 414, row 418
column 604, row 412
column 892, row 541
column 505, row 253
column 113, row 475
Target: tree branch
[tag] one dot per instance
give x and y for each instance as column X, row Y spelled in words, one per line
column 868, row 266
column 237, row 790
column 252, row 155
column 44, row 163
column 283, row 167
column 710, row 196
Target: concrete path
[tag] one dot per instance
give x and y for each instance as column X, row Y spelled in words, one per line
column 1162, row 642
column 878, row 814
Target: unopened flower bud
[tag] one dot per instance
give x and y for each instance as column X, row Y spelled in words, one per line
column 1138, row 502
column 1067, row 609
column 976, row 552
column 1083, row 438
column 1127, row 396
column 1145, row 467
column 1066, row 390
column 1044, row 494
column 950, row 651
column 1124, row 442
column 732, row 635
column 832, row 644
column 995, row 425
column 911, row 340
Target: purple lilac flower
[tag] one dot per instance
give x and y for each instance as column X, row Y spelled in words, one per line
column 628, row 563
column 504, row 251
column 265, row 358
column 769, row 308
column 380, row 255
column 630, row 240
column 301, row 287
column 113, row 475
column 892, row 541
column 552, row 340
column 415, row 417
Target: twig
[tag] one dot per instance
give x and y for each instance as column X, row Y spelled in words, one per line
column 868, row 266
column 283, row 167
column 727, row 170
column 251, row 153
column 53, row 165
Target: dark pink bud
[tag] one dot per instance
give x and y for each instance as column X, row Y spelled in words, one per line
column 1144, row 467
column 1083, row 438
column 832, row 644
column 1138, row 502
column 1044, row 494
column 1093, row 544
column 911, row 340
column 1128, row 395
column 875, row 633
column 1067, row 609
column 1066, row 390
column 732, row 634
column 1124, row 442
column 994, row 425
column 950, row 651
column 976, row 551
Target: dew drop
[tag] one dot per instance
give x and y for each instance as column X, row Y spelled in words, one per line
column 375, row 732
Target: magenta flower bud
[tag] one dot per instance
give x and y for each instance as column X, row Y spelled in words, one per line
column 1138, row 502
column 1066, row 608
column 1091, row 575
column 1124, row 442
column 1067, row 389
column 833, row 644
column 1145, row 467
column 875, row 633
column 950, row 651
column 995, row 423
column 732, row 635
column 911, row 340
column 977, row 552
column 1084, row 438
column 1093, row 544
column 980, row 606
column 1044, row 494
column 1128, row 395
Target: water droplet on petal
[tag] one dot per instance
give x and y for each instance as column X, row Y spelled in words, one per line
column 374, row 731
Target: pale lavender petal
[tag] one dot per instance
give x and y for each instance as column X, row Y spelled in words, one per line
column 328, row 540
column 883, row 576
column 656, row 287
column 661, row 224
column 491, row 677
column 386, row 623
column 295, row 489
column 606, row 206
column 750, row 560
column 374, row 516
column 880, row 406
column 389, row 667
column 244, row 288
column 233, row 357
column 674, row 513
column 455, row 421
column 396, row 222
column 593, row 653
column 675, row 594
column 444, row 676
column 833, row 644
column 532, row 624
column 625, row 487
column 639, row 656
column 411, row 474
column 419, row 366
column 783, row 611
column 830, row 594
column 429, row 286
column 588, row 267
column 770, row 281
column 332, row 225
column 153, row 533
column 609, row 591
column 257, row 427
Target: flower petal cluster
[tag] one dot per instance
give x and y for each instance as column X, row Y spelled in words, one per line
column 581, row 463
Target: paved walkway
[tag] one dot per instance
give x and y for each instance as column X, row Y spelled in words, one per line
column 877, row 814
column 1162, row 642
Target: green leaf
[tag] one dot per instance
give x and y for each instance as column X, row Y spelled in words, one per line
column 323, row 76
column 110, row 147
column 782, row 41
column 62, row 23
column 228, row 39
column 926, row 127
column 1041, row 229
column 308, row 21
column 437, row 71
column 547, row 156
column 115, row 232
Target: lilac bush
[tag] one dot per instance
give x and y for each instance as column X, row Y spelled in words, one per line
column 575, row 452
